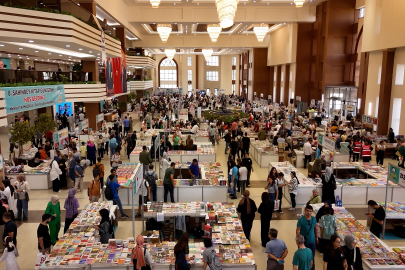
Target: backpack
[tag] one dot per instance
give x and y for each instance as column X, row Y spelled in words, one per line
column 151, row 178
column 240, row 142
column 96, row 169
column 113, row 143
column 213, row 261
column 108, row 192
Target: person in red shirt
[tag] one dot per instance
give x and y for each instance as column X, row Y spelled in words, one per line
column 49, row 136
column 366, row 151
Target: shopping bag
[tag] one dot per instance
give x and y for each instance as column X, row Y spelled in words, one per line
column 276, row 205
column 40, row 260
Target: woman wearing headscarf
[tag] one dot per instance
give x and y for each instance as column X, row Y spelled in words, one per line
column 140, row 255
column 71, row 206
column 165, row 164
column 352, row 253
column 266, row 209
column 54, row 173
column 247, row 209
column 105, row 228
column 91, row 152
column 53, row 209
column 328, row 186
column 63, row 176
column 321, row 211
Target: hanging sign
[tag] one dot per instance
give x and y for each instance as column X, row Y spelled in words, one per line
column 329, row 143
column 84, row 124
column 99, row 117
column 396, row 175
column 297, row 98
column 349, row 107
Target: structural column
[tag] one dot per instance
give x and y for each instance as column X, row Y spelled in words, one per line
column 120, row 33
column 387, row 70
column 286, row 85
column 92, row 109
column 278, row 85
column 91, row 66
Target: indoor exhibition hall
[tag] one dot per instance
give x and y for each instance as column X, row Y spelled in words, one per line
column 202, row 134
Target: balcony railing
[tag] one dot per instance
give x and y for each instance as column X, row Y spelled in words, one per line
column 28, row 76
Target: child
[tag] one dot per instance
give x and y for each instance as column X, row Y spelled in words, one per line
column 9, row 255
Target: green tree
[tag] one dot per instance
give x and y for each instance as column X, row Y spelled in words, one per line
column 44, row 123
column 21, row 133
column 132, row 95
column 122, row 105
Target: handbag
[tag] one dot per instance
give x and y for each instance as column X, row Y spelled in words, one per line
column 27, row 198
column 397, row 153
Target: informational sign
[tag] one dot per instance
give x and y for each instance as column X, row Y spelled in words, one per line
column 369, row 120
column 99, row 117
column 320, row 138
column 396, row 175
column 350, row 107
column 336, row 112
column 25, row 98
column 297, row 98
column 329, row 143
column 60, row 137
column 312, row 103
column 84, row 124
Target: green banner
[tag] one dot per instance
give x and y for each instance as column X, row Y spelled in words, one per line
column 396, row 175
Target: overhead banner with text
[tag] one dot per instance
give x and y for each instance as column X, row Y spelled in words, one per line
column 25, row 98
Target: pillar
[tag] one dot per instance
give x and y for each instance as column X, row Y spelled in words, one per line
column 278, row 85
column 125, row 99
column 387, row 70
column 361, row 93
column 120, row 33
column 92, row 109
column 91, row 66
column 286, row 85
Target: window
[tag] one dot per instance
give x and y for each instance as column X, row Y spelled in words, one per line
column 212, row 76
column 233, row 74
column 207, row 91
column 234, row 61
column 168, row 75
column 189, row 61
column 189, row 75
column 214, row 61
column 396, row 117
column 168, row 86
column 377, row 101
column 189, row 88
column 233, row 89
column 361, row 12
column 370, row 107
column 167, row 63
column 399, row 75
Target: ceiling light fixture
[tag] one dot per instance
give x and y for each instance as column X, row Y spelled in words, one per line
column 261, row 31
column 207, row 53
column 155, row 3
column 226, row 11
column 170, row 53
column 164, row 31
column 214, row 30
column 299, row 3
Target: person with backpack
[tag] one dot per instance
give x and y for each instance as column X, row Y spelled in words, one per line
column 151, row 177
column 105, row 229
column 98, row 169
column 210, row 256
column 141, row 258
column 144, row 193
column 292, row 189
column 111, row 193
column 328, row 227
column 94, row 189
column 79, row 174
column 113, row 145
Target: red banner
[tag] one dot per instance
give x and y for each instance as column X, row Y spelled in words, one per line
column 116, row 77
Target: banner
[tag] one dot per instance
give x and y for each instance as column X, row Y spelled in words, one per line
column 61, row 137
column 109, row 78
column 103, row 53
column 329, row 143
column 5, row 63
column 123, row 72
column 99, row 117
column 84, row 124
column 25, row 98
column 349, row 107
column 396, row 175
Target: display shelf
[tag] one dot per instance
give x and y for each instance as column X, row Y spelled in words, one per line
column 263, row 152
column 36, row 177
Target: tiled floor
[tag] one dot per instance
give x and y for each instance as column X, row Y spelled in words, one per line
column 284, row 223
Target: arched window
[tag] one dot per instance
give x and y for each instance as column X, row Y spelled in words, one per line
column 168, row 76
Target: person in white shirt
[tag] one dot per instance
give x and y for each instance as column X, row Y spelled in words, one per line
column 81, row 116
column 54, row 174
column 243, row 172
column 194, row 129
column 307, row 152
column 77, row 131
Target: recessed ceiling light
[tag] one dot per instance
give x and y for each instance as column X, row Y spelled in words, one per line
column 36, row 51
column 49, row 53
column 20, row 48
column 31, row 41
column 60, row 55
column 20, row 57
column 1, row 45
column 80, row 49
column 36, row 59
column 28, row 58
column 68, row 46
column 98, row 54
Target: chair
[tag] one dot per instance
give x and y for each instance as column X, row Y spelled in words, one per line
column 167, row 234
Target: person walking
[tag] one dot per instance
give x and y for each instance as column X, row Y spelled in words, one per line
column 145, row 159
column 55, row 173
column 276, row 251
column 10, row 193
column 79, row 174
column 105, row 228
column 100, row 146
column 168, row 183
column 116, row 199
column 247, row 209
column 10, row 228
column 334, row 257
column 303, row 258
column 53, row 209
column 151, row 177
column 129, row 144
column 23, row 190
column 280, row 185
column 94, row 189
column 112, row 144
column 140, row 255
column 71, row 205
column 293, row 189
column 44, row 238
column 380, row 153
column 234, row 147
column 377, row 218
column 328, row 226
column 99, row 168
column 245, row 144
column 144, row 195
column 115, row 160
column 242, row 177
column 63, row 177
column 249, row 166
column 234, row 174
column 272, row 189
column 9, row 255
column 306, row 227
column 91, row 152
column 307, row 152
column 228, row 140
column 352, row 253
column 328, row 185
column 265, row 210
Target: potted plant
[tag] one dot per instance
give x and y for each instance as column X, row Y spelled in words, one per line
column 21, row 133
column 44, row 123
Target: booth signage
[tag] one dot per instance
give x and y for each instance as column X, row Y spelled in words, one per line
column 329, row 143
column 369, row 120
column 99, row 117
column 25, row 98
column 320, row 139
column 396, row 175
column 297, row 98
column 84, row 124
column 349, row 107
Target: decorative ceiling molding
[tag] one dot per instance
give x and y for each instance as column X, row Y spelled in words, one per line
column 151, row 28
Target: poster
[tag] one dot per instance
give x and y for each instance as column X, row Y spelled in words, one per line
column 396, row 175
column 84, row 124
column 329, row 143
column 297, row 98
column 99, row 117
column 61, row 137
column 64, row 108
column 25, row 98
column 109, row 78
column 5, row 63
